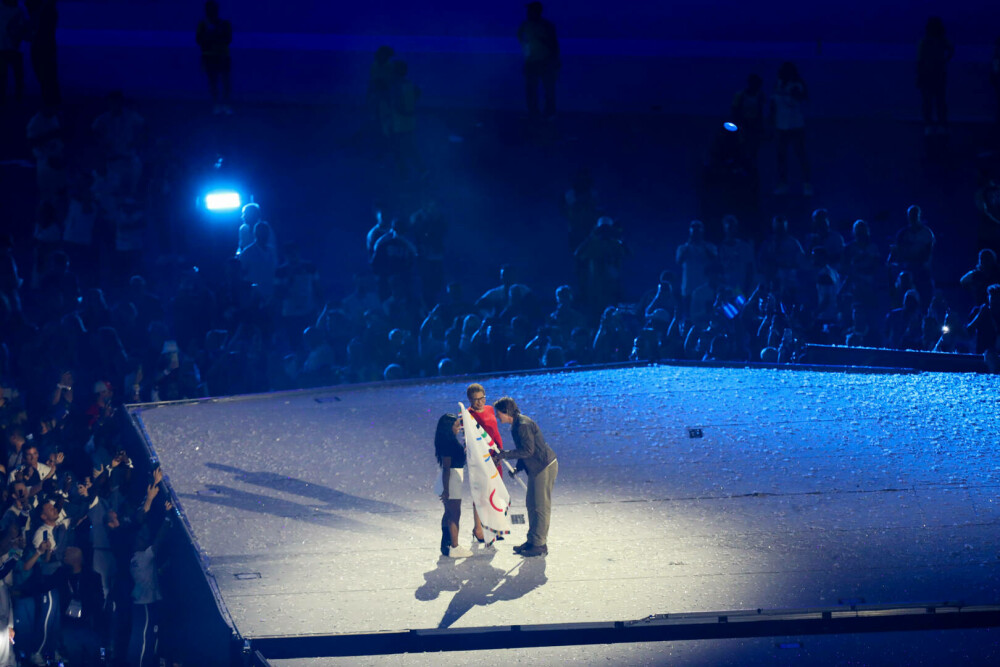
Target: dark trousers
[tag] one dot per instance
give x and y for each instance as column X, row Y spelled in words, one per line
column 543, row 73
column 933, row 99
column 217, row 70
column 797, row 140
column 13, row 60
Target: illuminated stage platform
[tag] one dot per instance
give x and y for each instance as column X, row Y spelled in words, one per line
column 805, row 490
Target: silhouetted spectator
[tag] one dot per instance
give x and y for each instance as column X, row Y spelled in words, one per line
column 862, row 264
column 694, row 257
column 297, row 289
column 664, row 299
column 987, row 200
column 985, row 273
column 904, row 326
column 602, row 254
column 736, row 257
column 214, row 35
column 780, row 258
column 566, row 317
column 541, row 60
column 249, row 218
column 933, row 55
column 45, row 138
column 378, row 230
column 494, row 300
column 260, row 261
column 429, row 228
column 612, row 342
column 119, row 130
column 393, row 255
column 44, row 60
column 985, row 322
column 822, row 235
column 790, row 94
column 747, row 111
column 14, row 27
column 914, row 250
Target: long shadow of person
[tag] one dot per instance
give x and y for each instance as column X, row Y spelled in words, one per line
column 334, row 499
column 475, row 582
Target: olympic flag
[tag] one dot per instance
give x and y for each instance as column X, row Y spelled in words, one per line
column 489, row 494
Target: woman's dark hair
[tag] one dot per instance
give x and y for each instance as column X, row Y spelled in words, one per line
column 444, row 437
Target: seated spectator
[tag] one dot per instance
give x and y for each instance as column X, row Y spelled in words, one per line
column 824, row 236
column 602, row 254
column 862, row 265
column 260, row 261
column 495, row 299
column 913, row 251
column 985, row 273
column 985, row 321
column 664, row 299
column 903, row 326
column 736, row 257
column 780, row 259
column 694, row 257
column 393, row 256
column 565, row 317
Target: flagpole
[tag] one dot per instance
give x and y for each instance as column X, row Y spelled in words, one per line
column 513, row 473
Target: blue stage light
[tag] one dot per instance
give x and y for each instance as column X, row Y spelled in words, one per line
column 223, row 200
column 730, row 127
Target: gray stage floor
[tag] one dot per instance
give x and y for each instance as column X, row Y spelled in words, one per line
column 807, row 489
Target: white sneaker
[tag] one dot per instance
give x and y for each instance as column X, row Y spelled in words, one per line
column 459, row 552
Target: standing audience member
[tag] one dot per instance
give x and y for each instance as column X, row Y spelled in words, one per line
column 214, row 35
column 694, row 257
column 788, row 119
column 541, row 60
column 914, row 250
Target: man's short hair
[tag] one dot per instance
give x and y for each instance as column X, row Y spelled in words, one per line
column 474, row 388
column 507, row 405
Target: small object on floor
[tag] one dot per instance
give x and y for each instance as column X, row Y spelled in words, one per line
column 535, row 551
column 459, row 552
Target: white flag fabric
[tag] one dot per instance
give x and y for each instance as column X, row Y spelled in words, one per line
column 489, row 494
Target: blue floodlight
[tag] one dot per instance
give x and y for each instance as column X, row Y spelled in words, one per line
column 223, row 200
column 730, row 127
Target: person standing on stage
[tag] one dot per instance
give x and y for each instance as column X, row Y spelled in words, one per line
column 485, row 417
column 538, row 459
column 449, row 448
